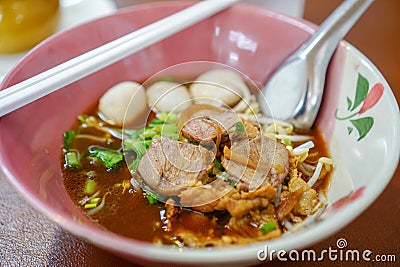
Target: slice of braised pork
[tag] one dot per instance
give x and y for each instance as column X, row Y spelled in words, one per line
column 210, row 125
column 256, row 161
column 222, row 196
column 169, row 166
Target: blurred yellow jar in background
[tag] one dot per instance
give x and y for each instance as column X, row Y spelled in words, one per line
column 24, row 23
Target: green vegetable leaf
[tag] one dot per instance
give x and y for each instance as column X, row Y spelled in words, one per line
column 157, row 127
column 151, row 198
column 268, row 227
column 363, row 126
column 139, row 147
column 69, row 137
column 349, row 103
column 108, row 157
column 139, row 140
column 239, row 127
column 361, row 91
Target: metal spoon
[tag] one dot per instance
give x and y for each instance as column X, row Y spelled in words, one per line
column 294, row 91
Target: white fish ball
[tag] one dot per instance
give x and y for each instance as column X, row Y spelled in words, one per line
column 125, row 100
column 168, row 97
column 219, row 87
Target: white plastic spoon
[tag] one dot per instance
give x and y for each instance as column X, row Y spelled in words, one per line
column 294, row 91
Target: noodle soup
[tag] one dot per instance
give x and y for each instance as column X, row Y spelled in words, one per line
column 207, row 171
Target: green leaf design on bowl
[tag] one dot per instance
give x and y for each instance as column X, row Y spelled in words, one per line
column 363, row 126
column 364, row 95
column 361, row 91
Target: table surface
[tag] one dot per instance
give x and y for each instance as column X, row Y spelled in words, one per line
column 29, row 239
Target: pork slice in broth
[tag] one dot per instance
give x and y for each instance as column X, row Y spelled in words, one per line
column 256, row 161
column 222, row 196
column 169, row 166
column 210, row 125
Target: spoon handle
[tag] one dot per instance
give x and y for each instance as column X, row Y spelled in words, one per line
column 334, row 28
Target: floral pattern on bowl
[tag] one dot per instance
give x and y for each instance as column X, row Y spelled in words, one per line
column 368, row 99
column 362, row 134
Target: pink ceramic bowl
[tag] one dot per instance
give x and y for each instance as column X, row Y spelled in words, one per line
column 252, row 40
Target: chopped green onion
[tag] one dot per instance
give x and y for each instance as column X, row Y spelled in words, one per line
column 239, row 127
column 82, row 119
column 268, row 227
column 69, row 137
column 151, row 198
column 224, row 176
column 232, row 183
column 218, row 165
column 287, row 142
column 98, row 207
column 94, row 200
column 90, row 205
column 72, row 159
column 156, row 122
column 108, row 157
column 90, row 187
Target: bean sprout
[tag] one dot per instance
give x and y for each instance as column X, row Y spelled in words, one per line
column 317, row 172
